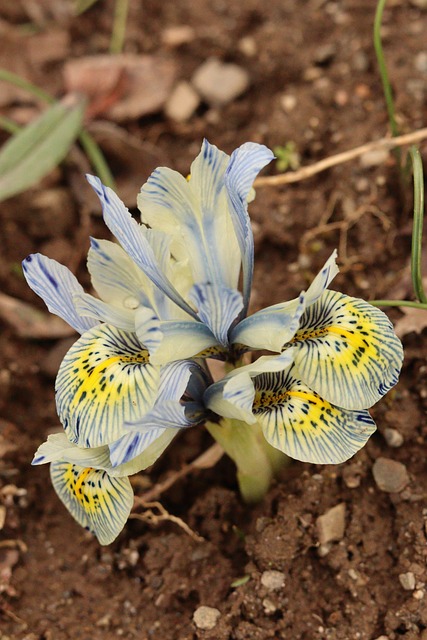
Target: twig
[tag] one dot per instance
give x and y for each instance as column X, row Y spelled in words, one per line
column 205, row 461
column 163, row 515
column 340, row 158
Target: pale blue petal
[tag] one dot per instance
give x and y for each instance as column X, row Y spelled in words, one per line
column 296, row 420
column 245, row 164
column 322, row 280
column 98, row 502
column 346, row 350
column 91, row 307
column 217, row 307
column 104, row 380
column 132, row 444
column 270, row 328
column 184, row 339
column 133, row 239
column 56, row 285
column 58, row 447
column 233, row 396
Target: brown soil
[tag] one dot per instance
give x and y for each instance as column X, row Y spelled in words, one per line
column 56, row 582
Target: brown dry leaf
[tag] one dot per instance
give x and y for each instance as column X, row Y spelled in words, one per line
column 29, row 322
column 412, row 320
column 8, row 559
column 121, row 87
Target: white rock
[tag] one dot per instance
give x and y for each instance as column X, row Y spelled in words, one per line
column 273, row 580
column 407, row 580
column 182, row 102
column 219, row 83
column 178, row 35
column 206, row 617
column 331, row 525
column 393, row 437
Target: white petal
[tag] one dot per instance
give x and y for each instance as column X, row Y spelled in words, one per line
column 104, row 380
column 98, row 502
column 184, row 339
column 347, row 351
column 91, row 307
column 217, row 307
column 300, row 423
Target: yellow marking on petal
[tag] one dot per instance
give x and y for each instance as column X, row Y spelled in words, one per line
column 300, row 423
column 104, row 380
column 98, row 502
column 347, row 350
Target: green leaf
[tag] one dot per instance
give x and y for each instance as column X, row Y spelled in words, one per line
column 38, row 148
column 80, row 6
column 239, row 582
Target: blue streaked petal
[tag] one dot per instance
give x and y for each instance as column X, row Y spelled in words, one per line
column 183, row 339
column 58, row 447
column 56, row 285
column 131, row 445
column 347, row 351
column 270, row 328
column 322, row 280
column 245, row 164
column 296, row 420
column 147, row 329
column 233, row 396
column 91, row 307
column 148, row 457
column 104, row 380
column 98, row 502
column 217, row 307
column 134, row 240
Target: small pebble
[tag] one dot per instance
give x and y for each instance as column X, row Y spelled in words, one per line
column 407, row 580
column 389, row 475
column 248, row 46
column 393, row 437
column 288, row 102
column 206, row 617
column 182, row 102
column 178, row 35
column 220, row 83
column 269, row 606
column 331, row 525
column 273, row 580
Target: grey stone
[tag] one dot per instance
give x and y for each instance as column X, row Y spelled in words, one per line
column 220, row 83
column 389, row 475
column 331, row 525
column 393, row 437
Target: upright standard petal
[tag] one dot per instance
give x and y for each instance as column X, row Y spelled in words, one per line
column 134, row 239
column 245, row 164
column 296, row 420
column 56, row 285
column 98, row 502
column 347, row 351
column 104, row 381
column 195, row 213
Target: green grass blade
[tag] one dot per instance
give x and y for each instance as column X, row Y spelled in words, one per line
column 38, row 148
column 80, row 6
column 383, row 68
column 417, row 231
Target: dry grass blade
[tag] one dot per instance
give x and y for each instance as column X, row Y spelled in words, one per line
column 340, row 158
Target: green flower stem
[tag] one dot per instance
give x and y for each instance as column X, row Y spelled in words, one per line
column 417, row 231
column 257, row 462
column 91, row 148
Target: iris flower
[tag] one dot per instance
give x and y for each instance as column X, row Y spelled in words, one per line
column 167, row 299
